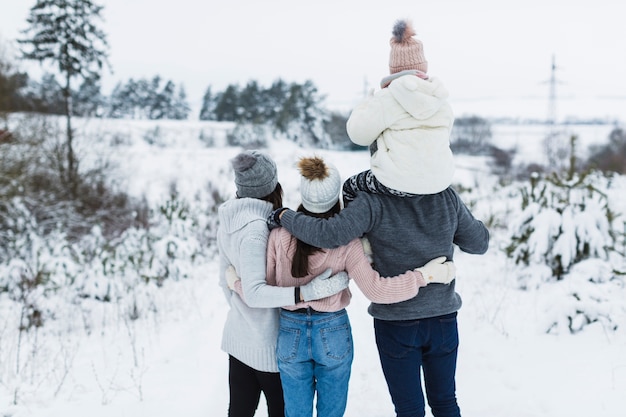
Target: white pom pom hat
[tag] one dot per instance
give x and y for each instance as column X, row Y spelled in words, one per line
column 320, row 184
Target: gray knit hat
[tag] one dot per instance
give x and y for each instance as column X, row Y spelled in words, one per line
column 320, row 184
column 255, row 174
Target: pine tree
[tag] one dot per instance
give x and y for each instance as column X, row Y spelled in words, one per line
column 88, row 100
column 65, row 33
column 207, row 111
column 117, row 108
column 45, row 96
column 251, row 101
column 181, row 106
column 11, row 82
column 148, row 98
column 274, row 99
column 227, row 105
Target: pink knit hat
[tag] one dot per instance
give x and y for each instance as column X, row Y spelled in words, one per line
column 407, row 53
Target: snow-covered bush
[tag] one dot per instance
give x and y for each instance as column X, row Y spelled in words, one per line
column 36, row 266
column 563, row 221
column 55, row 287
column 249, row 135
column 566, row 225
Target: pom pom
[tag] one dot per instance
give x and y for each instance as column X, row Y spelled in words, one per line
column 402, row 31
column 313, row 168
column 243, row 162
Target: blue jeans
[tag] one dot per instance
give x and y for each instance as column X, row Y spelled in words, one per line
column 406, row 346
column 315, row 352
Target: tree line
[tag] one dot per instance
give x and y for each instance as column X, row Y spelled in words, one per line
column 143, row 98
column 154, row 99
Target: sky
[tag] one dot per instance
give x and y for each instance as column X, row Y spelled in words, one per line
column 92, row 360
column 485, row 51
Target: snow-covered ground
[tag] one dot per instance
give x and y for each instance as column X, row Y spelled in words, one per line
column 168, row 361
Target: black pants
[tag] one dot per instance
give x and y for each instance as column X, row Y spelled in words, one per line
column 246, row 385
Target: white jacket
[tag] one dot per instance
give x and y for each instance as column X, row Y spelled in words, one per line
column 410, row 121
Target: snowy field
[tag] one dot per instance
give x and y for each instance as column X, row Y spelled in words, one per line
column 169, row 362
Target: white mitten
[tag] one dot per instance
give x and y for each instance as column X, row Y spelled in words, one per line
column 324, row 285
column 231, row 277
column 438, row 270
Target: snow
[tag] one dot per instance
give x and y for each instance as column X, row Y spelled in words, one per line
column 98, row 359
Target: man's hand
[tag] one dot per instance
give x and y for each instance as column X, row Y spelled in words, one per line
column 273, row 220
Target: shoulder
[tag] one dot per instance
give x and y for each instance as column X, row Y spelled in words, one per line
column 451, row 195
column 256, row 229
column 433, row 86
column 365, row 202
column 372, row 103
column 280, row 236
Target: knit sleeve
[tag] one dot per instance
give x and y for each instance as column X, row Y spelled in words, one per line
column 353, row 221
column 471, row 235
column 379, row 289
column 256, row 291
column 222, row 279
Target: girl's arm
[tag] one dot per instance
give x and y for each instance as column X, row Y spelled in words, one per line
column 260, row 290
column 402, row 287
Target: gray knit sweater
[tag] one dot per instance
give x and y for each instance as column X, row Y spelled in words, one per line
column 405, row 233
column 249, row 333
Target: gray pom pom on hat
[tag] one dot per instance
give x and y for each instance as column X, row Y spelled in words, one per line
column 255, row 174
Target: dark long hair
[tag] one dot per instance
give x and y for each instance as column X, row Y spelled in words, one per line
column 275, row 197
column 300, row 261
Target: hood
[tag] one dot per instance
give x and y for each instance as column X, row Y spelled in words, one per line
column 235, row 214
column 420, row 98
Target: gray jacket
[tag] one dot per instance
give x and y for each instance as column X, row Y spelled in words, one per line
column 405, row 233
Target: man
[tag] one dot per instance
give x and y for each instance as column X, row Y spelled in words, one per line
column 420, row 333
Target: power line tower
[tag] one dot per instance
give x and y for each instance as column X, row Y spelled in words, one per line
column 556, row 149
column 551, row 120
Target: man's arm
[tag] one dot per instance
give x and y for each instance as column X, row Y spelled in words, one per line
column 471, row 235
column 352, row 222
